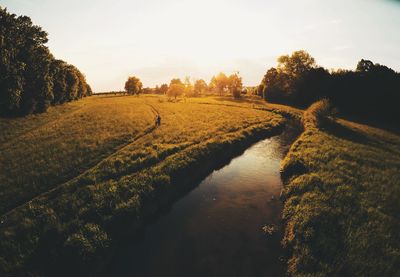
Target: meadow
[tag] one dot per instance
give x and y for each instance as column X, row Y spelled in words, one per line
column 82, row 174
column 42, row 151
column 85, row 175
column 71, row 177
column 342, row 199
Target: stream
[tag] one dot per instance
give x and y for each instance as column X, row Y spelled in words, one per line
column 217, row 228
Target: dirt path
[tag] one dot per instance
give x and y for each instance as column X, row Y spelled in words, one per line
column 142, row 134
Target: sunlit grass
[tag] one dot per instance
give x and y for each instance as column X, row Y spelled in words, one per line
column 117, row 182
column 41, row 152
column 342, row 200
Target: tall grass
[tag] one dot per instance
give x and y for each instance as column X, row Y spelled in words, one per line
column 52, row 152
column 77, row 222
column 342, row 199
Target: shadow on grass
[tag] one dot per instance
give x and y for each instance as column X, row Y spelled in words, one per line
column 238, row 100
column 338, row 130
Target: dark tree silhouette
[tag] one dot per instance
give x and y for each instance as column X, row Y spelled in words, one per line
column 31, row 79
column 370, row 93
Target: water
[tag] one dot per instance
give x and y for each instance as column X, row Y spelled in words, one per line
column 216, row 229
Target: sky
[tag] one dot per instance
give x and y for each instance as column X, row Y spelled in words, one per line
column 158, row 40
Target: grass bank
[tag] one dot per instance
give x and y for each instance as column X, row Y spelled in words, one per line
column 68, row 225
column 342, row 199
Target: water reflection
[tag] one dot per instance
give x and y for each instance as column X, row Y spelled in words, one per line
column 216, row 229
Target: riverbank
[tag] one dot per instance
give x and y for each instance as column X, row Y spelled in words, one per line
column 72, row 228
column 342, row 200
column 216, row 229
column 341, row 195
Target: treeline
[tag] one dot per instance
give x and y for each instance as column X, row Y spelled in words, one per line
column 31, row 79
column 371, row 92
column 220, row 84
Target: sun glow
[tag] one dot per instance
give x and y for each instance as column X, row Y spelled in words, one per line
column 158, row 40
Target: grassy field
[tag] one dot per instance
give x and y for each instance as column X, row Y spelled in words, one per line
column 77, row 179
column 41, row 152
column 72, row 177
column 342, row 200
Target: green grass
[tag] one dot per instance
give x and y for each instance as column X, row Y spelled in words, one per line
column 77, row 179
column 342, row 200
column 97, row 168
column 40, row 152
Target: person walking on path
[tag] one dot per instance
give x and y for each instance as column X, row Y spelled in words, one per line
column 158, row 120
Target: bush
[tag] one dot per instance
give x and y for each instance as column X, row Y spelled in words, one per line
column 317, row 114
column 85, row 244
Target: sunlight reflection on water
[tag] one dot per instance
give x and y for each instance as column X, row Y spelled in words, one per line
column 216, row 229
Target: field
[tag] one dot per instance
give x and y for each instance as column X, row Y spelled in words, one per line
column 41, row 152
column 342, row 200
column 83, row 168
column 79, row 178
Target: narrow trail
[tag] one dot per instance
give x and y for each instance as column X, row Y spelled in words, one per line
column 142, row 134
column 153, row 109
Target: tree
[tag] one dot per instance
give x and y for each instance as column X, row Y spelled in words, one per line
column 72, row 80
column 147, row 90
column 133, row 85
column 88, row 90
column 176, row 81
column 311, row 86
column 296, row 64
column 199, row 86
column 58, row 72
column 364, row 66
column 31, row 79
column 280, row 84
column 274, row 86
column 235, row 85
column 11, row 68
column 188, row 86
column 371, row 92
column 219, row 83
column 259, row 90
column 82, row 88
column 163, row 89
column 176, row 90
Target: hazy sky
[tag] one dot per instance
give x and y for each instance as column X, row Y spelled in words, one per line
column 157, row 40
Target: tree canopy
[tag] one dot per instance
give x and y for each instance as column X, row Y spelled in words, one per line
column 219, row 83
column 161, row 89
column 235, row 85
column 176, row 90
column 133, row 85
column 296, row 64
column 176, row 81
column 222, row 83
column 371, row 92
column 200, row 86
column 189, row 90
column 31, row 78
